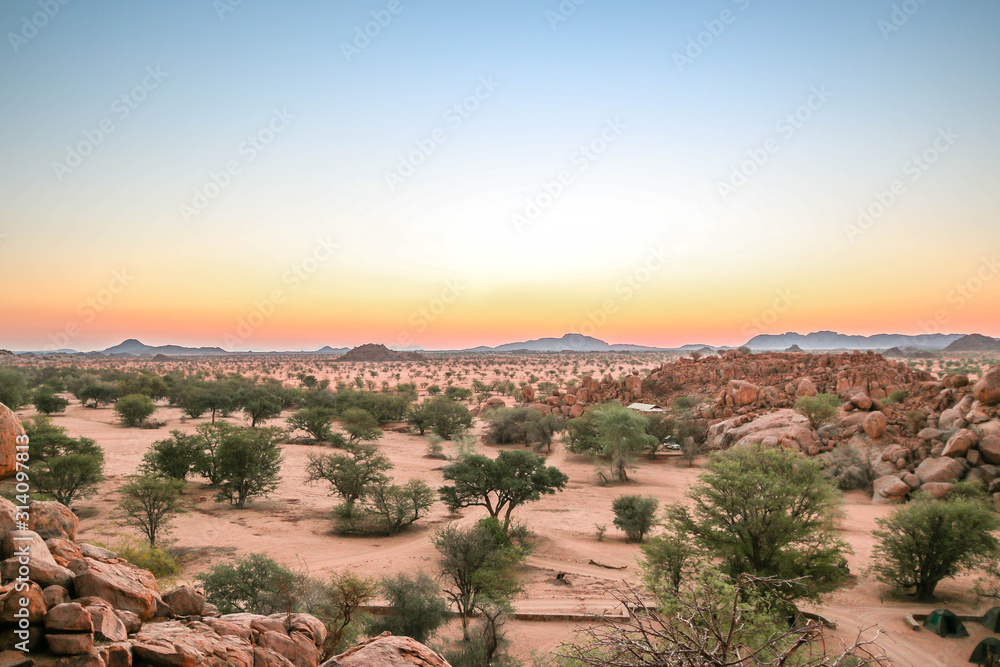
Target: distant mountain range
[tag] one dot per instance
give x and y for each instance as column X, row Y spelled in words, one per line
column 571, row 342
column 136, row 348
column 831, row 340
column 574, row 342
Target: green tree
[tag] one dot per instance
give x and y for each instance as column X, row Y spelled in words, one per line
column 416, row 610
column 47, row 402
column 929, row 540
column 767, row 513
column 635, row 515
column 446, row 417
column 149, row 503
column 613, row 432
column 134, row 409
column 249, row 464
column 665, row 558
column 477, row 565
column 194, row 402
column 253, row 584
column 63, row 467
column 211, row 438
column 361, row 426
column 13, row 388
column 316, row 422
column 351, row 473
column 259, row 404
column 501, row 484
column 175, row 457
column 523, row 426
column 343, row 596
column 818, row 409
column 663, row 428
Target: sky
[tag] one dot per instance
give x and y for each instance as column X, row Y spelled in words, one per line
column 253, row 174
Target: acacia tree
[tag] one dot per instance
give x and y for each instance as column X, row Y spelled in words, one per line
column 149, row 503
column 613, row 432
column 259, row 404
column 767, row 513
column 316, row 422
column 477, row 566
column 65, row 468
column 501, row 484
column 249, row 464
column 351, row 473
column 929, row 540
column 134, row 409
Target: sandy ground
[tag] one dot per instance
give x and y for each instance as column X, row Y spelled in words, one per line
column 293, row 526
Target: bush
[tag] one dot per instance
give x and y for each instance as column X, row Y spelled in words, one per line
column 249, row 464
column 154, row 559
column 175, row 457
column 48, row 403
column 897, row 396
column 13, row 388
column 416, row 607
column 634, row 515
column 849, row 468
column 929, row 540
column 134, row 409
column 315, row 421
column 253, row 584
column 523, row 426
column 444, row 416
column 62, row 467
column 818, row 409
column 338, row 609
column 149, row 503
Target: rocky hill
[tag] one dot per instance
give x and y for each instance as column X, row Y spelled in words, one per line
column 974, row 343
column 378, row 352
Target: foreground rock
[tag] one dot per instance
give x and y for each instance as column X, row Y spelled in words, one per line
column 388, row 651
column 102, row 611
column 10, row 430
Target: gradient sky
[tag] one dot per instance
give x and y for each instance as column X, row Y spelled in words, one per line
column 309, row 245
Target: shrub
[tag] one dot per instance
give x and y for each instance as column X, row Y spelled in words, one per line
column 13, row 388
column 249, row 464
column 634, row 515
column 47, row 402
column 149, row 503
column 523, row 426
column 253, row 584
column 134, row 409
column 416, row 608
column 897, row 396
column 315, row 421
column 850, row 468
column 175, row 457
column 818, row 409
column 63, row 467
column 154, row 559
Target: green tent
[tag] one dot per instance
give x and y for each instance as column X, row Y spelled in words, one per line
column 987, row 649
column 991, row 619
column 945, row 623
